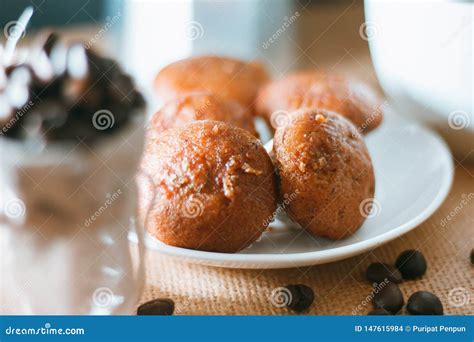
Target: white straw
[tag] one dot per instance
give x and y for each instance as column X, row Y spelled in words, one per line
column 20, row 25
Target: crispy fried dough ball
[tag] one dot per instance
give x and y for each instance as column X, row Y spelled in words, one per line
column 214, row 186
column 322, row 159
column 354, row 100
column 200, row 106
column 226, row 77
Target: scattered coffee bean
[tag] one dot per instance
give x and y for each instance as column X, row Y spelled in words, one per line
column 411, row 263
column 377, row 272
column 378, row 312
column 472, row 256
column 389, row 297
column 156, row 307
column 302, row 297
column 424, row 303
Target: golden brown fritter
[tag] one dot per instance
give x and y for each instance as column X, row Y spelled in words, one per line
column 214, row 185
column 200, row 106
column 322, row 158
column 228, row 78
column 354, row 100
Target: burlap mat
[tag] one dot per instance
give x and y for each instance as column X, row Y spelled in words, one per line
column 340, row 287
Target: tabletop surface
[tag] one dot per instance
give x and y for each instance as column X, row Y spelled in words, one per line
column 340, row 287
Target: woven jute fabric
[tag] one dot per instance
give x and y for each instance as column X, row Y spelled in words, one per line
column 340, row 287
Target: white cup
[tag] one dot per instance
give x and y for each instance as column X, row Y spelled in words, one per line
column 422, row 53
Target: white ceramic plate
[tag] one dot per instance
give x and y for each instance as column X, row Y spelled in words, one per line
column 414, row 172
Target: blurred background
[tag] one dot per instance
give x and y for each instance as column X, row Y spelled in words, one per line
column 418, row 53
column 286, row 34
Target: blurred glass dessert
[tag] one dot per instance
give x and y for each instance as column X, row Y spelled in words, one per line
column 71, row 126
column 52, row 91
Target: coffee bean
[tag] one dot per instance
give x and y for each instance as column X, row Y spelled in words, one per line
column 424, row 303
column 377, row 272
column 472, row 256
column 302, row 297
column 378, row 312
column 411, row 263
column 389, row 297
column 156, row 307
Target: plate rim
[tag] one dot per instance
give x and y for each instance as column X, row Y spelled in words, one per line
column 301, row 259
